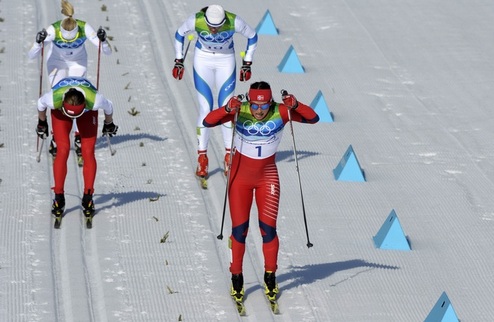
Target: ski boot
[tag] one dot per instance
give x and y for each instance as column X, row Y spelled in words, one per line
column 58, row 205
column 237, row 292
column 58, row 208
column 270, row 286
column 202, row 169
column 78, row 151
column 202, row 165
column 88, row 209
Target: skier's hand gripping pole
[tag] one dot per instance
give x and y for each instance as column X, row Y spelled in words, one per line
column 178, row 68
column 110, row 129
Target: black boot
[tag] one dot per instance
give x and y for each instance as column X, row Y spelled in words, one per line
column 237, row 290
column 58, row 205
column 271, row 288
column 77, row 144
column 88, row 205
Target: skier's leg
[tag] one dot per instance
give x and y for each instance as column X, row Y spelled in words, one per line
column 203, row 81
column 267, row 200
column 225, row 83
column 61, row 125
column 240, row 194
column 88, row 129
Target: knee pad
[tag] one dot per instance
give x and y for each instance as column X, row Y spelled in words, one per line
column 269, row 232
column 240, row 232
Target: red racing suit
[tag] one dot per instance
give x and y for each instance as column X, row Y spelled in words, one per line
column 62, row 125
column 254, row 174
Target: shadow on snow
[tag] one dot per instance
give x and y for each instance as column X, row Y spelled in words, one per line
column 304, row 275
column 120, row 199
column 101, row 141
column 288, row 155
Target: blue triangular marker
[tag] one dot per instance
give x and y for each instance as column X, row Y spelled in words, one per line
column 266, row 25
column 319, row 105
column 349, row 169
column 391, row 235
column 443, row 311
column 290, row 62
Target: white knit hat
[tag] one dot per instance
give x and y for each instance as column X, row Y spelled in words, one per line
column 215, row 15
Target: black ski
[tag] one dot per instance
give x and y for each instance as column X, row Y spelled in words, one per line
column 88, row 217
column 203, row 182
column 273, row 304
column 80, row 160
column 271, row 296
column 58, row 219
column 239, row 303
column 89, row 221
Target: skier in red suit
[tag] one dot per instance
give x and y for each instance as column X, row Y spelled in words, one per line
column 258, row 132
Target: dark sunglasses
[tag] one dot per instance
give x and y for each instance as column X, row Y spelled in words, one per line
column 263, row 107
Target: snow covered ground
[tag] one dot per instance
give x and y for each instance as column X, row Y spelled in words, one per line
column 410, row 86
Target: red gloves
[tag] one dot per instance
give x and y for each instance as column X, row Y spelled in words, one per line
column 245, row 71
column 233, row 105
column 178, row 69
column 290, row 101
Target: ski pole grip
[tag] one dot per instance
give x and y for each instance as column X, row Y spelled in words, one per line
column 284, row 92
column 240, row 97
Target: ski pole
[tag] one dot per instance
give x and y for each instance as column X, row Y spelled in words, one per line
column 40, row 86
column 112, row 151
column 99, row 60
column 309, row 244
column 190, row 37
column 38, row 158
column 220, row 236
column 41, row 69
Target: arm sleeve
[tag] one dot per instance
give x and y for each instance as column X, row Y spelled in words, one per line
column 187, row 27
column 36, row 48
column 245, row 30
column 217, row 117
column 93, row 37
column 302, row 114
column 45, row 101
column 101, row 103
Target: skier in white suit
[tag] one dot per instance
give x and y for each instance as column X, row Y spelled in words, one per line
column 214, row 68
column 67, row 55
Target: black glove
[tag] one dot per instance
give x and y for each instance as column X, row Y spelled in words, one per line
column 110, row 129
column 289, row 100
column 41, row 36
column 178, row 69
column 42, row 129
column 101, row 34
column 245, row 71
